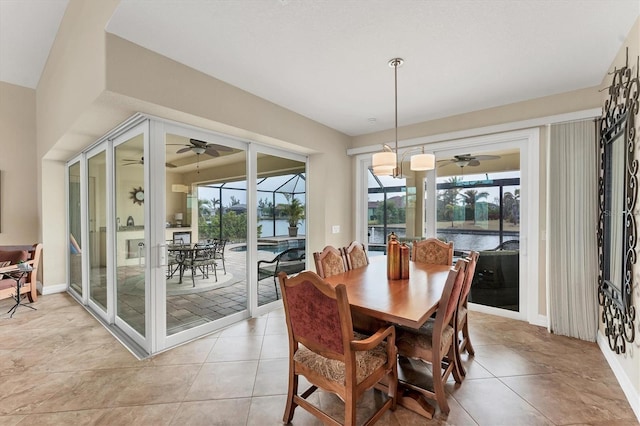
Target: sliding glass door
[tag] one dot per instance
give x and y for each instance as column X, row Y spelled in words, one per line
column 173, row 238
column 129, row 236
column 206, row 232
column 75, row 228
column 96, row 189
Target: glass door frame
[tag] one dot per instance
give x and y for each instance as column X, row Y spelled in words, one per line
column 528, row 142
column 108, row 314
column 252, row 238
column 134, row 130
column 81, row 161
column 159, row 257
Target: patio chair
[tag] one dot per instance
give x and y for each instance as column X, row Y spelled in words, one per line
column 218, row 252
column 290, row 261
column 325, row 350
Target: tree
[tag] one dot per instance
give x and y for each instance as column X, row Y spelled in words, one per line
column 393, row 214
column 511, row 205
column 470, row 196
column 207, row 208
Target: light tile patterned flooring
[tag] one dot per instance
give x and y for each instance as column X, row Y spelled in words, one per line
column 59, row 366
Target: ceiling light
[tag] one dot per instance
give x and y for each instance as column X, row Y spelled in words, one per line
column 198, row 150
column 386, row 163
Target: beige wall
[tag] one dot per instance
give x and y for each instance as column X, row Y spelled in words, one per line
column 534, row 108
column 630, row 361
column 19, row 221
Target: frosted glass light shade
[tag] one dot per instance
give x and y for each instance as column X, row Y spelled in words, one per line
column 421, row 162
column 383, row 171
column 383, row 163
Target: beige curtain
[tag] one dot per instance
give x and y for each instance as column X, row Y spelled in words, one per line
column 572, row 222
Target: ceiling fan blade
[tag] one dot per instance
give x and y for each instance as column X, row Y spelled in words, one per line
column 473, row 163
column 170, row 165
column 212, row 152
column 487, row 157
column 219, row 147
column 183, row 150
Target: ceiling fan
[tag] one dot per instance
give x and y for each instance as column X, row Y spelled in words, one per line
column 201, row 147
column 130, row 162
column 465, row 160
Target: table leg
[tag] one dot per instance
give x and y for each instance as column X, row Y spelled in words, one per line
column 18, row 300
column 414, row 401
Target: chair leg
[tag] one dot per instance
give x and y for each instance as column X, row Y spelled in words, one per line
column 350, row 409
column 466, row 339
column 438, row 386
column 293, row 390
column 275, row 283
column 393, row 386
column 459, row 348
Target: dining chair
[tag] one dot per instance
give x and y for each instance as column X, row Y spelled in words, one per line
column 433, row 251
column 434, row 343
column 326, row 351
column 462, row 323
column 356, row 255
column 329, row 261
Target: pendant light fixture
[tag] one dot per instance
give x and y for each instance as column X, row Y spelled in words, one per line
column 386, row 163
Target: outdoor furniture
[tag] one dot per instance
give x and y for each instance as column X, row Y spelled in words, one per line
column 218, row 252
column 325, row 350
column 197, row 257
column 290, row 261
column 496, row 280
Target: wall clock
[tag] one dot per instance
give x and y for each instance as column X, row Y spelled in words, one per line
column 137, row 195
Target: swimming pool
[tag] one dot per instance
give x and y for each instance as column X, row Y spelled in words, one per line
column 273, row 247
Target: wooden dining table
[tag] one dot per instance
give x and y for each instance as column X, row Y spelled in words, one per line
column 409, row 302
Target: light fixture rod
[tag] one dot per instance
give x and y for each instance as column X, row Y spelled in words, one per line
column 395, row 63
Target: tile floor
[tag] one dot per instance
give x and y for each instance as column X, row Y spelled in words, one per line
column 59, row 366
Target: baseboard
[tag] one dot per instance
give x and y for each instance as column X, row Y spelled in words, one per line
column 539, row 320
column 51, row 289
column 627, row 387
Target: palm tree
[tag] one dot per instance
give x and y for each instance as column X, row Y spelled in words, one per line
column 470, row 196
column 512, row 206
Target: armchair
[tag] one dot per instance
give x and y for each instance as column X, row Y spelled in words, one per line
column 325, row 350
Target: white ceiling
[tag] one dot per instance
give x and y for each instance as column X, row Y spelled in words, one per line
column 327, row 60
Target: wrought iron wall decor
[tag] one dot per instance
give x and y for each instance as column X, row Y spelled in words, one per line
column 618, row 191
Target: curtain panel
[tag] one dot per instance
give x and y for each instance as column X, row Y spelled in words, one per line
column 572, row 222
